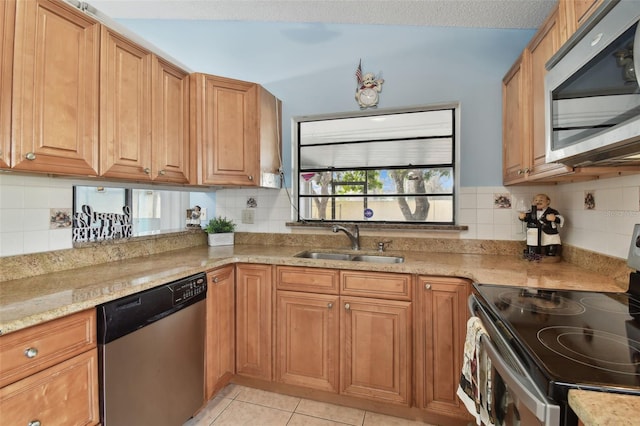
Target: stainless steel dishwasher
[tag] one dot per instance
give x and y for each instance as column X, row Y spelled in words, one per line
column 151, row 355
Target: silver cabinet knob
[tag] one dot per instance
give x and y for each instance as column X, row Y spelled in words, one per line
column 34, row 423
column 347, row 306
column 216, row 279
column 329, row 305
column 147, row 170
column 30, row 156
column 162, row 173
column 427, row 286
column 250, row 177
column 31, row 352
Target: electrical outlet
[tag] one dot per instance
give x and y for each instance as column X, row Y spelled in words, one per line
column 248, row 215
column 203, row 214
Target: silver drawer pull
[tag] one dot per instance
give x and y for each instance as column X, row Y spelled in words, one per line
column 34, row 423
column 30, row 156
column 31, row 353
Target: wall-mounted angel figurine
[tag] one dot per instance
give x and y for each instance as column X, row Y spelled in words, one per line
column 369, row 85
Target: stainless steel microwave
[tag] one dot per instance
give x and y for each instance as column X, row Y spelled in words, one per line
column 592, row 91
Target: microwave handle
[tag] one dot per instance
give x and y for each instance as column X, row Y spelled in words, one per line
column 636, row 52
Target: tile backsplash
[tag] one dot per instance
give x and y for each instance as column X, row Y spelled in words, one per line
column 489, row 212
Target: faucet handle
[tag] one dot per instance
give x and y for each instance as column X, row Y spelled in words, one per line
column 383, row 244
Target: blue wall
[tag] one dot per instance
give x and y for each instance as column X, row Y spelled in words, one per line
column 310, row 67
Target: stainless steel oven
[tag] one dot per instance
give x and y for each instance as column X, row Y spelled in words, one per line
column 542, row 343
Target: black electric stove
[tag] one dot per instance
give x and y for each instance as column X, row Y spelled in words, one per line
column 568, row 339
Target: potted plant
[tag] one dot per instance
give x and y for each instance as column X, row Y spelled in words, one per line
column 220, row 230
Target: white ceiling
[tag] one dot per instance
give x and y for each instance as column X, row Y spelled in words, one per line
column 448, row 13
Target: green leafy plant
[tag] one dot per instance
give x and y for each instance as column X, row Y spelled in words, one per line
column 220, row 225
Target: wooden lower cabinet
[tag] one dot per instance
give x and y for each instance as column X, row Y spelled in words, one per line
column 49, row 373
column 254, row 314
column 375, row 360
column 65, row 394
column 220, row 339
column 440, row 330
column 308, row 340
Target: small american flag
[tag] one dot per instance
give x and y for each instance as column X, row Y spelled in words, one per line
column 359, row 73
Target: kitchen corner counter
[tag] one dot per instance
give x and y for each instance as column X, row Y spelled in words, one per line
column 28, row 301
column 604, row 409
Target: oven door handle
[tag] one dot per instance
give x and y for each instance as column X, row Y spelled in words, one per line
column 521, row 384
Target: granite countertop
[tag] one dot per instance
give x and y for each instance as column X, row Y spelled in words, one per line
column 29, row 301
column 604, row 409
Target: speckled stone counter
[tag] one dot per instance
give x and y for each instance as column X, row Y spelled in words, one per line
column 605, row 409
column 31, row 300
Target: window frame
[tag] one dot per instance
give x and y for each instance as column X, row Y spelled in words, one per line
column 295, row 148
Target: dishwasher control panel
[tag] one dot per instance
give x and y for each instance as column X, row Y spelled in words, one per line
column 189, row 288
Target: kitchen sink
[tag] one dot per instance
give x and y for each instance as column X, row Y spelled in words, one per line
column 375, row 258
column 323, row 255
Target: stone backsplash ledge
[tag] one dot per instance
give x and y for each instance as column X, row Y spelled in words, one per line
column 88, row 254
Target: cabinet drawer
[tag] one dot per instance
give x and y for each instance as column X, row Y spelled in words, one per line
column 312, row 280
column 33, row 349
column 65, row 394
column 380, row 285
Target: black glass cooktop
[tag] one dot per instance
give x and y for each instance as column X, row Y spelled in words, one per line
column 571, row 339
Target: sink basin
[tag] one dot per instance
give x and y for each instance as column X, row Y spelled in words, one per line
column 350, row 257
column 323, row 255
column 377, row 258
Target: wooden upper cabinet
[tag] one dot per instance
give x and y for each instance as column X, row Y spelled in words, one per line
column 55, row 89
column 125, row 108
column 236, row 129
column 574, row 13
column 226, row 130
column 515, row 152
column 144, row 114
column 7, row 22
column 171, row 153
column 542, row 47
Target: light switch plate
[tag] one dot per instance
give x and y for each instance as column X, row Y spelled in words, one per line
column 248, row 215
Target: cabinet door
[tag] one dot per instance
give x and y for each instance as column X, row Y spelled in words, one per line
column 65, row 394
column 125, row 108
column 515, row 142
column 307, row 340
column 375, row 360
column 441, row 315
column 254, row 321
column 226, row 131
column 55, row 89
column 7, row 22
column 171, row 153
column 542, row 47
column 220, row 342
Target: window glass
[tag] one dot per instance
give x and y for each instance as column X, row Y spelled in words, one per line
column 392, row 168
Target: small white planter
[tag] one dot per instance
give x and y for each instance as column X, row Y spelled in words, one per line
column 224, row 239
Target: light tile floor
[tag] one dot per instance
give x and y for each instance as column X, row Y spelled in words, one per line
column 239, row 405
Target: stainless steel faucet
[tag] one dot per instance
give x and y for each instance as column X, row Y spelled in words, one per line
column 354, row 235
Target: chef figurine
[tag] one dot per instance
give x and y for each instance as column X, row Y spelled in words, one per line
column 542, row 227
